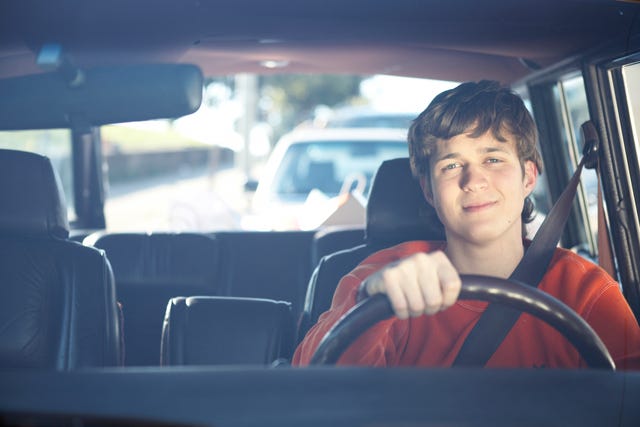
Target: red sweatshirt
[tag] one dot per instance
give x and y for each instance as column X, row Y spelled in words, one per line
column 436, row 340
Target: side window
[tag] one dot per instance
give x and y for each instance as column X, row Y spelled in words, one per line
column 571, row 99
column 631, row 77
column 53, row 143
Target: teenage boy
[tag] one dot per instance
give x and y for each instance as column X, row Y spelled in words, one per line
column 473, row 150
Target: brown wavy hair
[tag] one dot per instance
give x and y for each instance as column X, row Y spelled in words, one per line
column 474, row 108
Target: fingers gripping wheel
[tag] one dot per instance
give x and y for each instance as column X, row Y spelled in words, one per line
column 502, row 291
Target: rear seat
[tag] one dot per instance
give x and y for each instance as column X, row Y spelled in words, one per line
column 333, row 239
column 150, row 269
column 226, row 330
column 272, row 265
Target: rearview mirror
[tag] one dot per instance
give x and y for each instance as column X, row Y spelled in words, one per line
column 105, row 95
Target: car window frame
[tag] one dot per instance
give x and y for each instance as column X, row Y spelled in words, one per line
column 619, row 189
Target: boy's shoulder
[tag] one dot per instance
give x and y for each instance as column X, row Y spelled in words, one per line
column 568, row 259
column 569, row 270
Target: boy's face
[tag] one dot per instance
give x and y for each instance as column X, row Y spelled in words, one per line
column 478, row 188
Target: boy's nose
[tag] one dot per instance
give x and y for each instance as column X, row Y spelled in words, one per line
column 473, row 179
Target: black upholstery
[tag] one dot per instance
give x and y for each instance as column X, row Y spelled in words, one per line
column 226, row 330
column 150, row 269
column 396, row 212
column 271, row 265
column 57, row 299
column 328, row 240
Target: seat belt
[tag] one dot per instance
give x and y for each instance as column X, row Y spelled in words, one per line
column 497, row 320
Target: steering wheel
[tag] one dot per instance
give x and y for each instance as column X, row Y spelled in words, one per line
column 493, row 289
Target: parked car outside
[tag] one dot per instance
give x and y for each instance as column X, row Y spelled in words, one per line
column 309, row 167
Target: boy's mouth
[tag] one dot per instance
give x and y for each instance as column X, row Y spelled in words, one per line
column 477, row 207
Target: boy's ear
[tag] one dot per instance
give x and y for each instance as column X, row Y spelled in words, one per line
column 426, row 190
column 530, row 176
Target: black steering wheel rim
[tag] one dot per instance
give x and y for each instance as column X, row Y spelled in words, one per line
column 475, row 287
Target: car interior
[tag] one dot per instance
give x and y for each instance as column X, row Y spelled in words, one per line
column 154, row 327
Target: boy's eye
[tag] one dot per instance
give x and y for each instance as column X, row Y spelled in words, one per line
column 450, row 166
column 493, row 160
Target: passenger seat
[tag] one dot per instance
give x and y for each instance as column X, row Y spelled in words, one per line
column 57, row 298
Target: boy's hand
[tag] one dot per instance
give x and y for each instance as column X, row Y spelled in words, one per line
column 416, row 285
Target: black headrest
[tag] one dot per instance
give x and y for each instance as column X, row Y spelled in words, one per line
column 397, row 210
column 31, row 196
column 160, row 258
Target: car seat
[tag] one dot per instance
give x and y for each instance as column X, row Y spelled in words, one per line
column 330, row 239
column 396, row 212
column 57, row 298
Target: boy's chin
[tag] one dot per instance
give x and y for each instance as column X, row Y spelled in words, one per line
column 482, row 235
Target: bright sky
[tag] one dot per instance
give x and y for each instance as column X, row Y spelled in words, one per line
column 402, row 93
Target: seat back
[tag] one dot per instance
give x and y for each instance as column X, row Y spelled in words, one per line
column 396, row 212
column 226, row 331
column 150, row 269
column 57, row 298
column 332, row 239
column 271, row 265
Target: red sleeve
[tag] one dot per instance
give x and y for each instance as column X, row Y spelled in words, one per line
column 596, row 296
column 614, row 322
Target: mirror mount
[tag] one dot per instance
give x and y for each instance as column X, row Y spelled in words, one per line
column 52, row 58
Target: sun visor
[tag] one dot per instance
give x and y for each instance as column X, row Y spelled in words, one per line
column 100, row 96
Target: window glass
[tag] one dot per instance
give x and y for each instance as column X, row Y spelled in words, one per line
column 53, row 143
column 631, row 76
column 573, row 99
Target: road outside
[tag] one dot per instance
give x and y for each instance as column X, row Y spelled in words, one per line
column 184, row 200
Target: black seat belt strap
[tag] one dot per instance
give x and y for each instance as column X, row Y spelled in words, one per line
column 497, row 320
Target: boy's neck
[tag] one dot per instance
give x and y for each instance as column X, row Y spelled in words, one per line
column 498, row 258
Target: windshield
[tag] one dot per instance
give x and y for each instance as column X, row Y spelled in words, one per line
column 328, row 165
